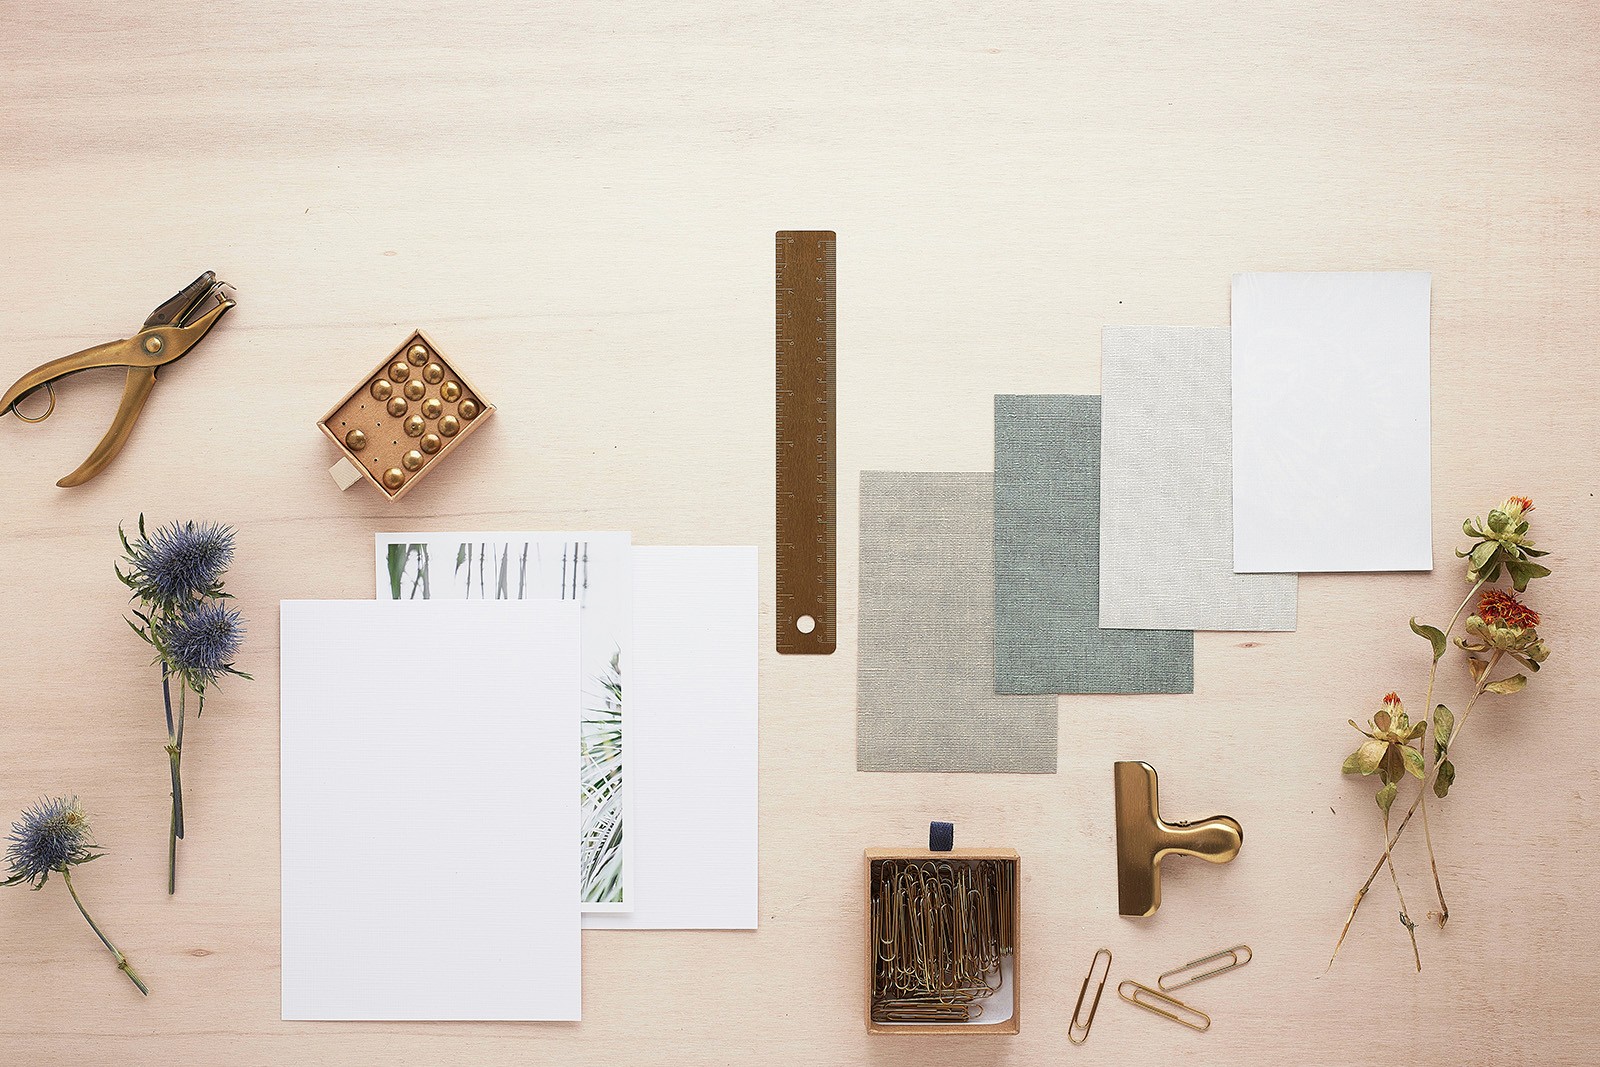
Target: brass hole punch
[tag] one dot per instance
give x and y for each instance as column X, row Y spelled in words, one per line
column 167, row 336
column 1144, row 838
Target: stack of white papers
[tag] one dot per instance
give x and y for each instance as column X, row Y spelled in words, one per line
column 502, row 735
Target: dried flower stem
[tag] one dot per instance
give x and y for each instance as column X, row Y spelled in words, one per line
column 1405, row 919
column 1427, row 783
column 1427, row 830
column 122, row 961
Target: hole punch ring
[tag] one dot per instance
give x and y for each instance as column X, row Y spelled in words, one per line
column 49, row 388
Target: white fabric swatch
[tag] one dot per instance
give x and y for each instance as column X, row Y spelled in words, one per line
column 1166, row 512
column 692, row 733
column 430, row 810
column 1331, row 457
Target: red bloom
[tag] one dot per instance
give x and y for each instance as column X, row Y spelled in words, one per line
column 1501, row 607
column 1392, row 698
column 1525, row 503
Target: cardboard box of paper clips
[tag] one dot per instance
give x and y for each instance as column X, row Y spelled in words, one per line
column 941, row 933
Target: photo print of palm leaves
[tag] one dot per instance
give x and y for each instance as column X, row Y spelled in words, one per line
column 490, row 571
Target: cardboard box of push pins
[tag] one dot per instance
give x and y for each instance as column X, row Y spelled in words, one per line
column 941, row 939
column 403, row 419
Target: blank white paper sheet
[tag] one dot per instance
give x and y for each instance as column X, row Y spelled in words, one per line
column 692, row 728
column 430, row 810
column 1331, row 459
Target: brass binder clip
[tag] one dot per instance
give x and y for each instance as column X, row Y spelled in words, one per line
column 1078, row 1029
column 168, row 334
column 1143, row 838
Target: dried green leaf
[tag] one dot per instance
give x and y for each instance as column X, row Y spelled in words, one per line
column 1446, row 778
column 1386, row 796
column 1522, row 572
column 1370, row 754
column 1515, row 683
column 1444, row 721
column 1413, row 760
column 1382, row 721
column 1393, row 765
column 1478, row 558
column 1477, row 667
column 1434, row 635
column 1352, row 764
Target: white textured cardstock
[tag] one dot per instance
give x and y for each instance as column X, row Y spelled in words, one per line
column 692, row 728
column 1166, row 510
column 430, row 850
column 1331, row 456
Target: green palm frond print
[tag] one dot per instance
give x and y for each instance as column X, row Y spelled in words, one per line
column 496, row 572
column 602, row 788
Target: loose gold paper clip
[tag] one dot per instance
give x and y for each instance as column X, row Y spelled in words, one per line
column 1162, row 998
column 1232, row 955
column 1075, row 1028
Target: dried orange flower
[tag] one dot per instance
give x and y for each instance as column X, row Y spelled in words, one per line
column 1502, row 607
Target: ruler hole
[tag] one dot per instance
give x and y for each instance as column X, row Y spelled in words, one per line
column 805, row 624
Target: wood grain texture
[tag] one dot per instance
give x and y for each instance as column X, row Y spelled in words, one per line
column 578, row 202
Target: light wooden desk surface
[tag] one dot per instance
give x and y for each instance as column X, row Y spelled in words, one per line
column 578, row 202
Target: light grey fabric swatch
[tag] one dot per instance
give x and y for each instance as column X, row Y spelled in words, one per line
column 1166, row 488
column 1047, row 562
column 925, row 698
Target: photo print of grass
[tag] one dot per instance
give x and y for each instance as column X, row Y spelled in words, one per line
column 591, row 568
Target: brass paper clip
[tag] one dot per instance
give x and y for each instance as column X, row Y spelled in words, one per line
column 1232, row 955
column 1078, row 1029
column 1156, row 999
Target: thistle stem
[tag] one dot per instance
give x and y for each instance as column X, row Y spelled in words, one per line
column 122, row 961
column 175, row 831
column 174, row 749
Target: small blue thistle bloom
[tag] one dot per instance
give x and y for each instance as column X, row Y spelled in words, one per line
column 179, row 562
column 50, row 836
column 53, row 837
column 201, row 642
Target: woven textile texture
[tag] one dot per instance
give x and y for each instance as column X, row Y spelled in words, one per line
column 925, row 698
column 1166, row 488
column 1047, row 633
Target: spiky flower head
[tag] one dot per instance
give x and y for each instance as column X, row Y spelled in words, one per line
column 200, row 642
column 1504, row 609
column 1501, row 540
column 50, row 836
column 177, row 563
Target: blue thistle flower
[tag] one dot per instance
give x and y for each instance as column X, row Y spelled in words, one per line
column 179, row 562
column 50, row 836
column 53, row 836
column 200, row 642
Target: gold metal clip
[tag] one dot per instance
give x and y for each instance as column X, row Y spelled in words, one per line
column 1078, row 1031
column 1157, row 998
column 1232, row 955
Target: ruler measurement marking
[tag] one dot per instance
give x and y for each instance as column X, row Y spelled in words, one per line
column 806, row 294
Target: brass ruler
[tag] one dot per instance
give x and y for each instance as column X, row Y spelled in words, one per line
column 807, row 360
